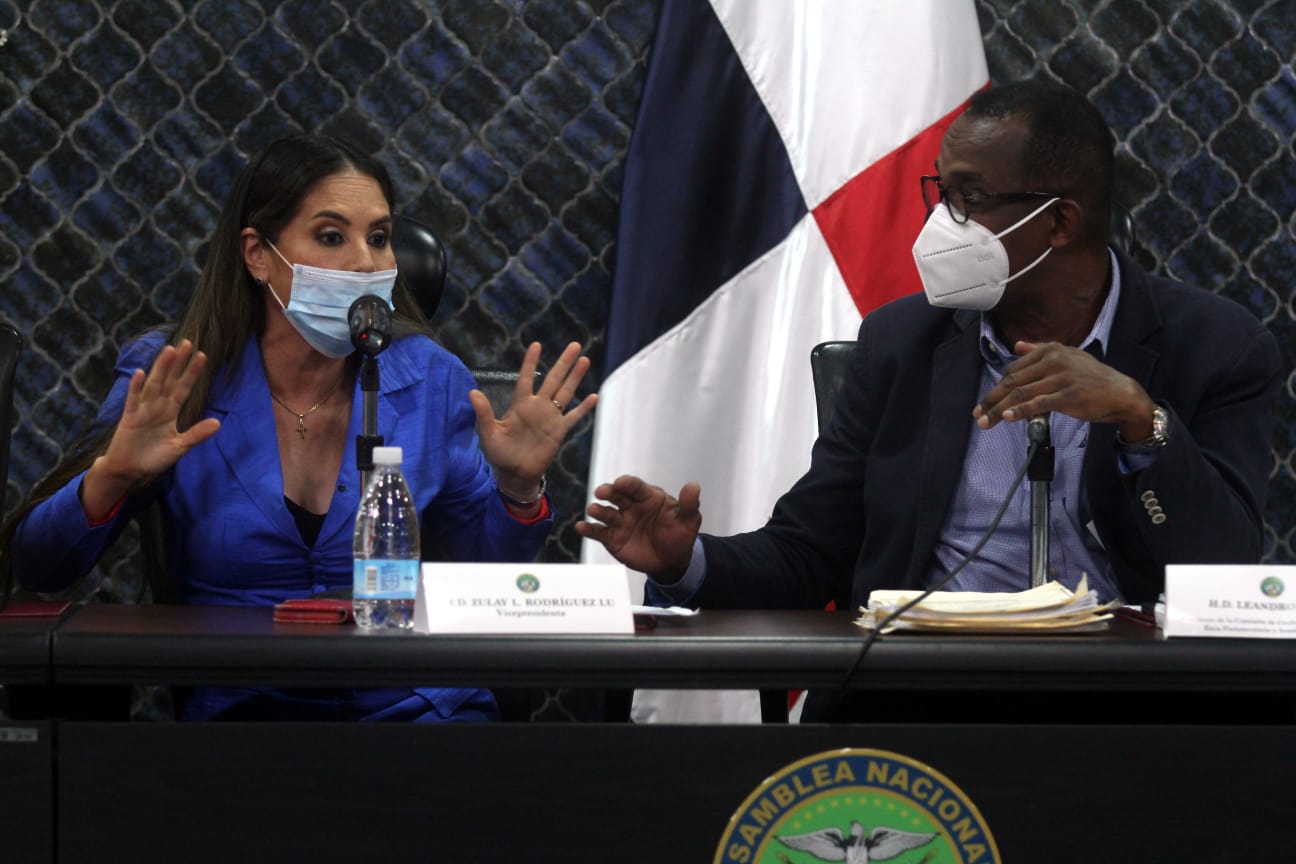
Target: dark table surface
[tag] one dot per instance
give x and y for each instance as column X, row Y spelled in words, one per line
column 25, row 649
column 729, row 649
column 1047, row 757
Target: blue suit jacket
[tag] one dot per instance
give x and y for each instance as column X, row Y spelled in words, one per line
column 231, row 538
column 869, row 511
column 232, row 541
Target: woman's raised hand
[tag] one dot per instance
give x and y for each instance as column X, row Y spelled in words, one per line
column 146, row 441
column 521, row 444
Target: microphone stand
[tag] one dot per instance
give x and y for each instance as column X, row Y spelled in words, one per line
column 368, row 438
column 369, row 319
column 1040, row 474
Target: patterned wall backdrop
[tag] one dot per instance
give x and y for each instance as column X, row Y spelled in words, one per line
column 505, row 124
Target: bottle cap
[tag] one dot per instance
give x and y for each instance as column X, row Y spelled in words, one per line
column 387, row 455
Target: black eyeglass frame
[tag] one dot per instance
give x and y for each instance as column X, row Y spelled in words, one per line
column 975, row 198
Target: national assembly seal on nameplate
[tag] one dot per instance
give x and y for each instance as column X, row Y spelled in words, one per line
column 857, row 806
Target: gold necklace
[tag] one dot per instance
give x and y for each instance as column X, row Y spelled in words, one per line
column 301, row 416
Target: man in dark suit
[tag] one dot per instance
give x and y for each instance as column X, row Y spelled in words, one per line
column 1160, row 398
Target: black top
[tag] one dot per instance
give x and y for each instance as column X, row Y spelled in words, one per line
column 308, row 523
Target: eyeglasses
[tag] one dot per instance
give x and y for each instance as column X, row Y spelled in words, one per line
column 960, row 204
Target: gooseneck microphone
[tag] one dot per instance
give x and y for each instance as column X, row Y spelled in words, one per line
column 1037, row 434
column 370, row 320
column 1040, row 473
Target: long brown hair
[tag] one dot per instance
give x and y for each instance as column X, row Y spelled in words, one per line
column 228, row 307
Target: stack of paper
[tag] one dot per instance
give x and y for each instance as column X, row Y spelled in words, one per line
column 1051, row 608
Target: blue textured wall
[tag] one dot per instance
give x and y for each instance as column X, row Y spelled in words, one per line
column 123, row 124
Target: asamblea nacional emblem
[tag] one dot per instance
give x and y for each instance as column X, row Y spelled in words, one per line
column 857, row 806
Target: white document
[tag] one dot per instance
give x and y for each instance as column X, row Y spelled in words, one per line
column 1052, row 607
column 1255, row 601
column 523, row 598
column 665, row 611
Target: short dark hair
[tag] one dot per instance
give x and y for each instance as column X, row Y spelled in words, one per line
column 1069, row 148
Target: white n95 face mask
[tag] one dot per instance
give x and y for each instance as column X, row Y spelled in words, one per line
column 966, row 266
column 321, row 299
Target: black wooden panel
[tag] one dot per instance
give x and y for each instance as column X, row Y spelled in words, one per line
column 601, row 793
column 26, row 793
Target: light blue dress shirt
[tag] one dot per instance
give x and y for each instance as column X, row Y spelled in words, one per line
column 994, row 458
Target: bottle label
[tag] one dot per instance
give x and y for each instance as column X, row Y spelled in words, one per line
column 385, row 579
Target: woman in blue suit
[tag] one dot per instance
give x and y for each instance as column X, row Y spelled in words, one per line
column 242, row 427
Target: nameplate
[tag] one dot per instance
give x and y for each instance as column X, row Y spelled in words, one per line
column 523, row 598
column 1236, row 601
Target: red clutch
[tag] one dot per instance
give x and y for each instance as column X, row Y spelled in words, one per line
column 33, row 608
column 313, row 610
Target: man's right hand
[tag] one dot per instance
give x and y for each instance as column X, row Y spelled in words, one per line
column 644, row 528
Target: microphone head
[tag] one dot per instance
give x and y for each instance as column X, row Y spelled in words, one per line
column 1037, row 429
column 370, row 320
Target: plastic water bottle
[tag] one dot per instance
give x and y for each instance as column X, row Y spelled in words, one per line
column 386, row 548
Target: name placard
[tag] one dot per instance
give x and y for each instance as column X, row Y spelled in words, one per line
column 1231, row 600
column 523, row 598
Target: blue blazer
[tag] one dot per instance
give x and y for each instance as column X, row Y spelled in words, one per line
column 869, row 511
column 231, row 539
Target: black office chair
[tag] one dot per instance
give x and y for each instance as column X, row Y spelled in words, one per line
column 10, row 347
column 75, row 703
column 1121, row 229
column 828, row 364
column 498, row 385
column 421, row 261
column 535, row 704
column 516, row 704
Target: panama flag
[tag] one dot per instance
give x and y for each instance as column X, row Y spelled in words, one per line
column 771, row 199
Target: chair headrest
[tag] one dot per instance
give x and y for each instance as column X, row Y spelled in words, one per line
column 1122, row 228
column 421, row 260
column 10, row 346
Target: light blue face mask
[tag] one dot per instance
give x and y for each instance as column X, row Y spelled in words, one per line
column 321, row 299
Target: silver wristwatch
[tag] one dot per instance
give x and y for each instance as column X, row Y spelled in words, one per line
column 1160, row 432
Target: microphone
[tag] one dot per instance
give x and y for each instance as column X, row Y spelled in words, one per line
column 1040, row 473
column 1037, row 429
column 370, row 319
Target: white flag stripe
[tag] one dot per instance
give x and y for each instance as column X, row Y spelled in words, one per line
column 725, row 398
column 696, row 706
column 829, row 71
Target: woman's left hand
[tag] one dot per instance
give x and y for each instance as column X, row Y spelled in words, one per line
column 521, row 444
